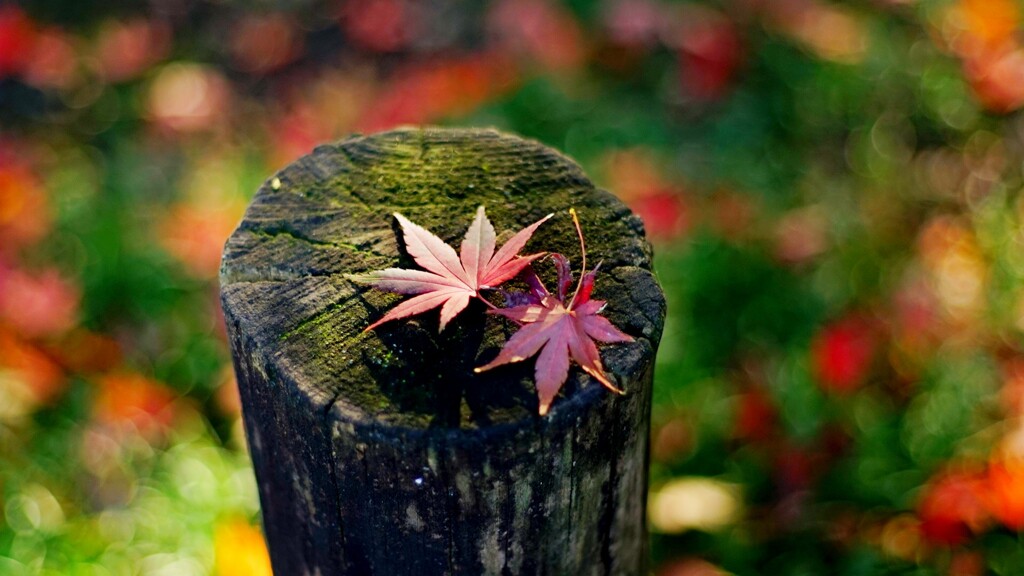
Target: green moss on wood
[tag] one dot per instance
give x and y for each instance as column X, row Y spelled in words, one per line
column 334, row 208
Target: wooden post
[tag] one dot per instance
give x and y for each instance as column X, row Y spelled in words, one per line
column 383, row 453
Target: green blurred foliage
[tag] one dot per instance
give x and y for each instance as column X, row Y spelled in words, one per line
column 832, row 189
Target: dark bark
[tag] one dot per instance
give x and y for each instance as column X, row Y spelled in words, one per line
column 383, row 453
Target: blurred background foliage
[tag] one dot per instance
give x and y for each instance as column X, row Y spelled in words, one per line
column 833, row 190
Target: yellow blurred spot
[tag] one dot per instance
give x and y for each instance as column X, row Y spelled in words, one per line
column 34, row 509
column 990, row 21
column 240, row 550
column 188, row 97
column 950, row 252
column 961, row 282
column 830, row 32
column 901, row 537
column 694, row 503
column 16, row 398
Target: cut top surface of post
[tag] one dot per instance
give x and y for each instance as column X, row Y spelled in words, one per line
column 329, row 215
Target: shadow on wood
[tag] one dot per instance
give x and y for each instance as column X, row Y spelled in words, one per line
column 383, row 453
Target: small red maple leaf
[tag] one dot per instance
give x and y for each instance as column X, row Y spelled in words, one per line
column 559, row 331
column 450, row 280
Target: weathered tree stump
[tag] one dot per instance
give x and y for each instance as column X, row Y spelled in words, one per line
column 383, row 453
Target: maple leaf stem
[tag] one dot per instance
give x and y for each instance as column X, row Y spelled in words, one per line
column 487, row 302
column 495, row 308
column 583, row 252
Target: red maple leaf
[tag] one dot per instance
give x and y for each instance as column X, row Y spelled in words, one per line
column 450, row 280
column 559, row 331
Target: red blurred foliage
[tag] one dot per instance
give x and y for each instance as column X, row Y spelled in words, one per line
column 541, row 30
column 984, row 33
column 132, row 400
column 126, row 49
column 266, row 42
column 634, row 22
column 424, row 93
column 54, row 60
column 666, row 215
column 43, row 377
column 37, row 305
column 756, row 416
column 84, row 352
column 195, row 235
column 796, row 468
column 732, row 215
column 842, row 353
column 952, row 506
column 710, row 53
column 296, row 133
column 967, row 563
column 914, row 323
column 997, row 78
column 671, row 439
column 634, row 175
column 319, row 109
column 24, row 207
column 17, row 38
column 379, row 25
column 801, row 235
column 1005, row 495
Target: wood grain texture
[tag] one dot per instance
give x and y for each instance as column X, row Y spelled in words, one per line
column 383, row 453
